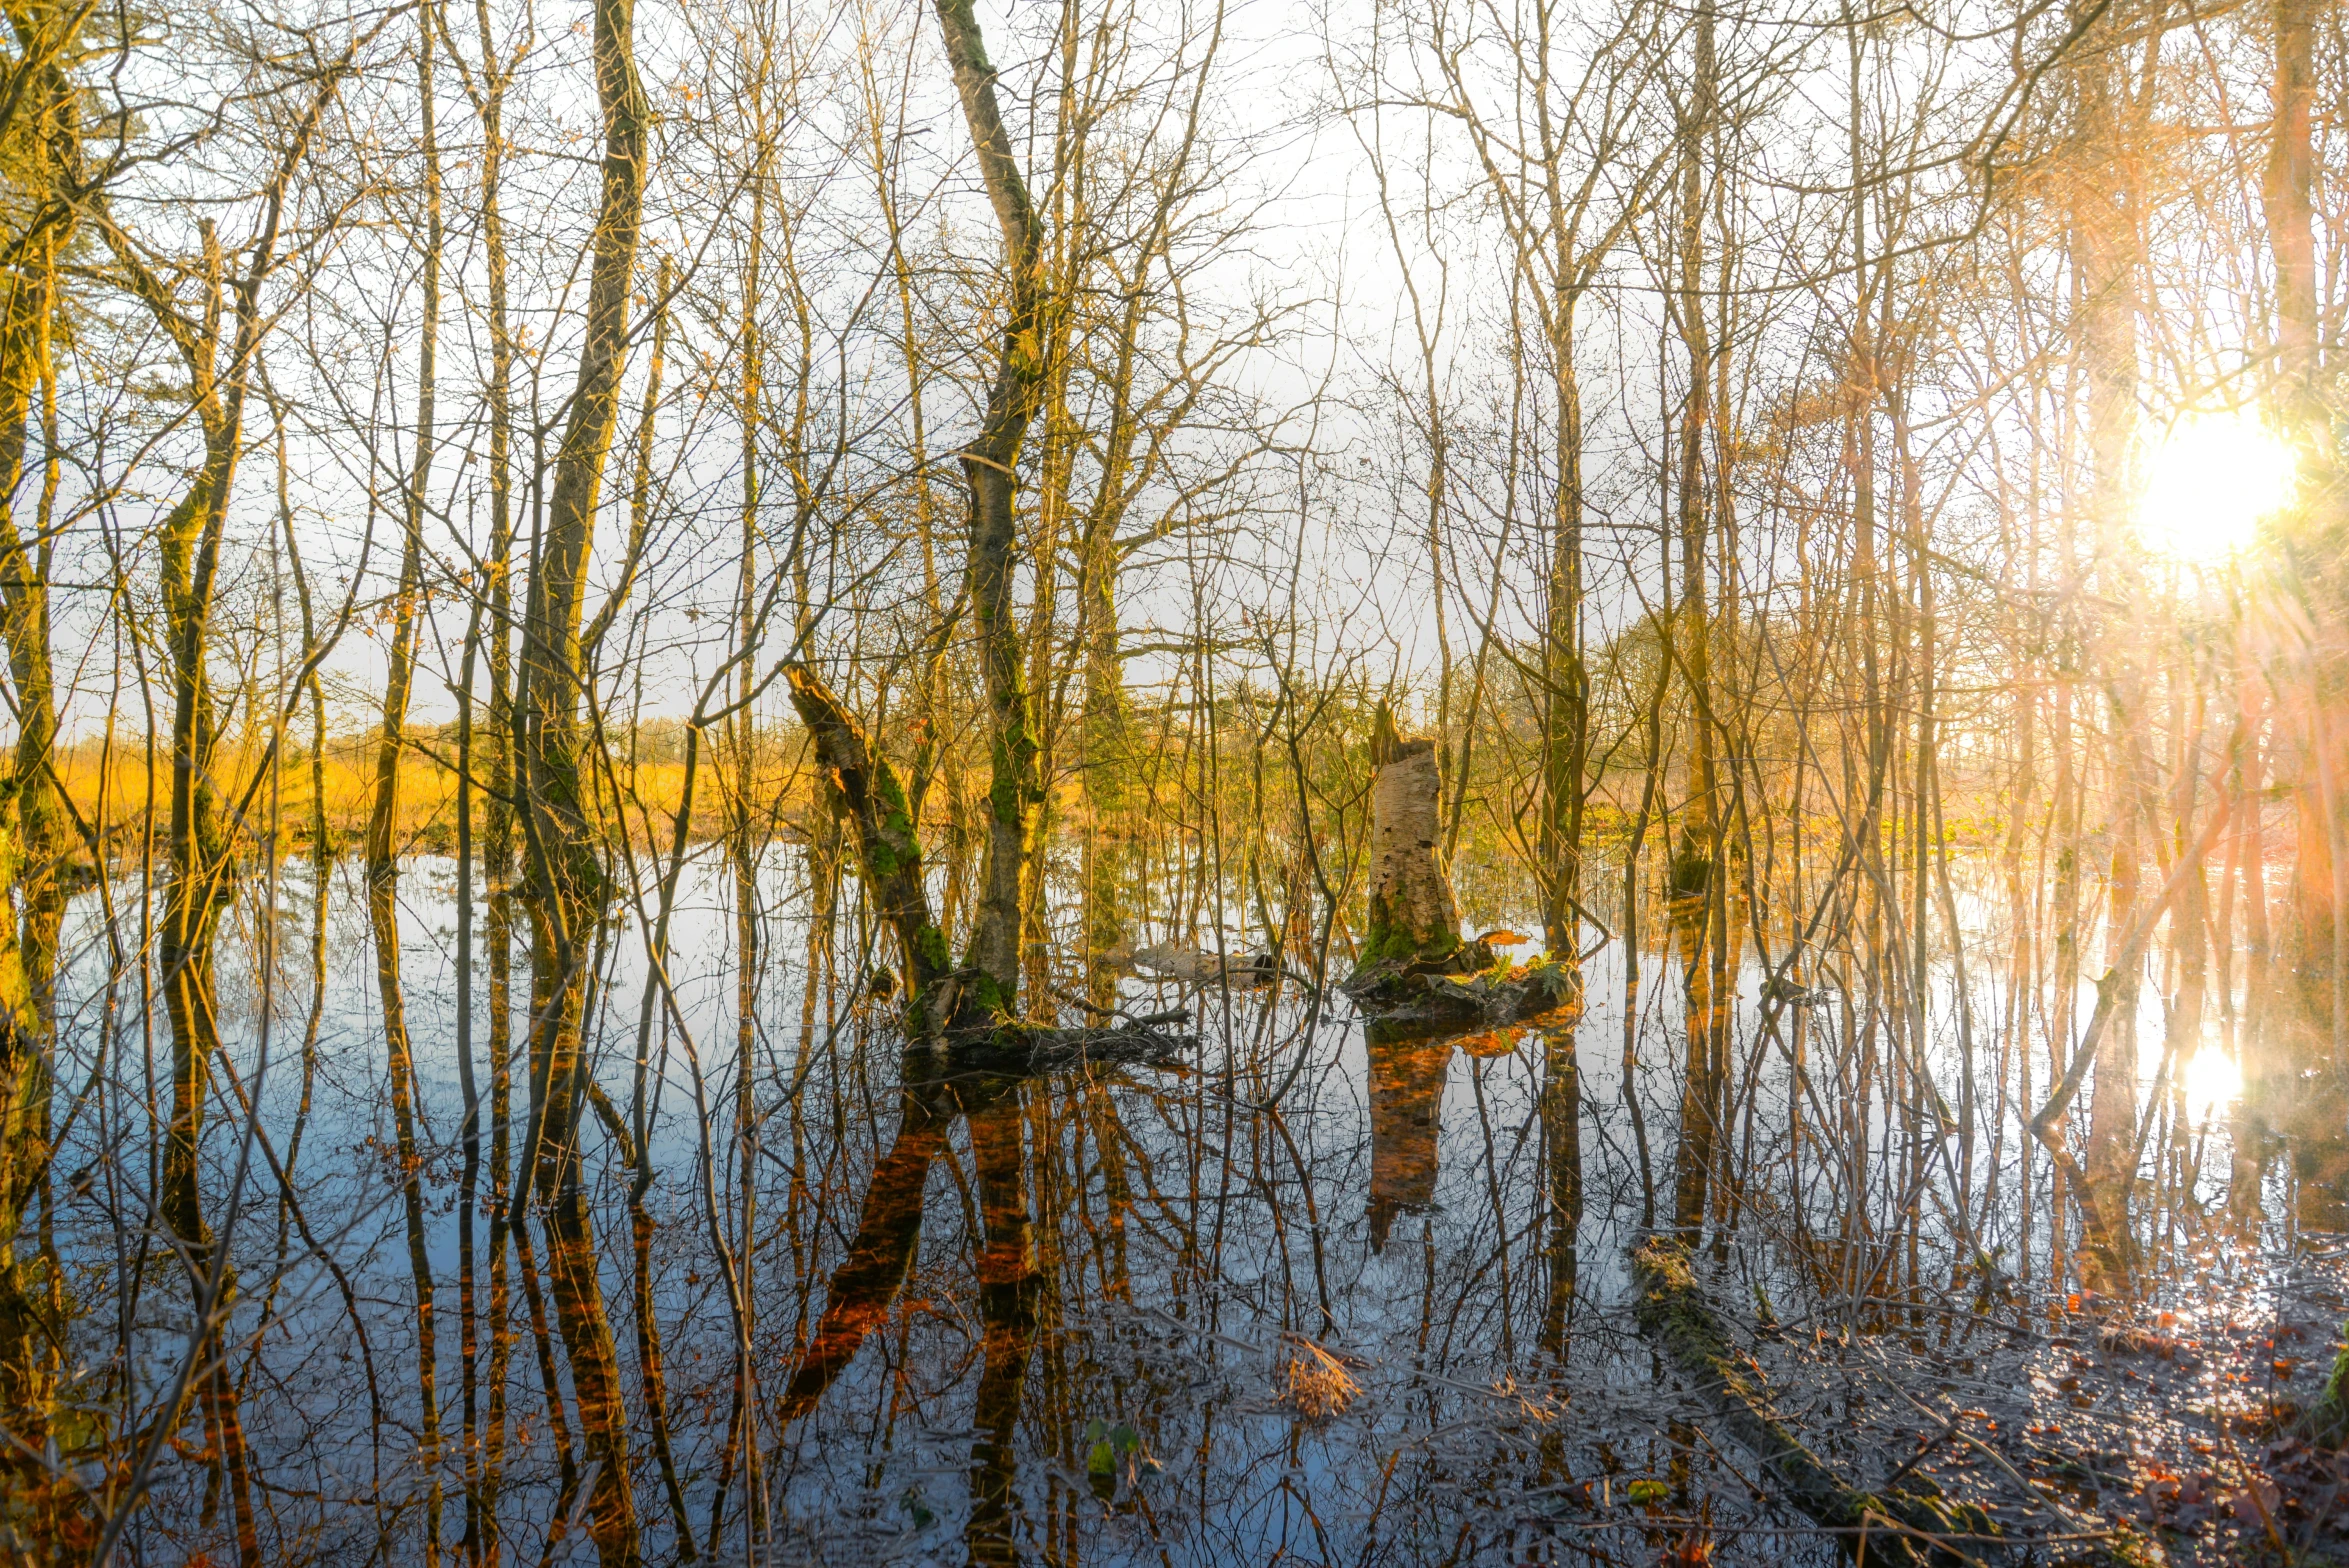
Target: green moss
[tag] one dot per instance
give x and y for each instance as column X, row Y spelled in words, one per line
column 2327, row 1420
column 895, row 819
column 1926, row 1510
column 994, row 999
column 1671, row 1307
column 1391, row 940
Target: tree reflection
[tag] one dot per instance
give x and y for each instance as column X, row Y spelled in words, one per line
column 1406, row 1098
column 864, row 1289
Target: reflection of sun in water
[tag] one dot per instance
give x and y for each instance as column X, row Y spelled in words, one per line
column 2208, row 482
column 2212, row 1081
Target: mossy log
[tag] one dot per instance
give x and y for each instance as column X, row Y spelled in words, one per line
column 1898, row 1527
column 2326, row 1422
column 1032, row 1048
column 889, row 850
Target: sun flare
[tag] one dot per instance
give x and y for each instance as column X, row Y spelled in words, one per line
column 2213, row 1081
column 2208, row 483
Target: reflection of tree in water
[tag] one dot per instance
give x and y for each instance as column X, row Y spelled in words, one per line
column 1008, row 1287
column 866, row 1284
column 1132, row 1249
column 1406, row 1102
column 865, row 1287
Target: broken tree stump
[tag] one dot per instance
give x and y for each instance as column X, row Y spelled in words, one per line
column 1414, row 915
column 1416, row 972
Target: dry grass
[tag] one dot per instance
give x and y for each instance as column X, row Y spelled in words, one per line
column 115, row 789
column 1313, row 1382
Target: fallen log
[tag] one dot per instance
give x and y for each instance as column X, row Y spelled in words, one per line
column 1193, row 966
column 977, row 1043
column 1901, row 1526
column 1034, row 1048
column 1896, row 1528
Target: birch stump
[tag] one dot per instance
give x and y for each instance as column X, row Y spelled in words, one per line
column 1414, row 916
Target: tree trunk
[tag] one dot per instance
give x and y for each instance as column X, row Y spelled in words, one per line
column 1565, row 681
column 1699, row 912
column 990, row 465
column 2104, row 232
column 383, row 866
column 2320, row 877
column 889, row 848
column 566, row 888
column 33, row 845
column 486, row 1439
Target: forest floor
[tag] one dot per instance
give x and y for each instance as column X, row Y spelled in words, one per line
column 2166, row 1431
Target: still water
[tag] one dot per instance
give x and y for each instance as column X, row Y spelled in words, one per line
column 1144, row 1315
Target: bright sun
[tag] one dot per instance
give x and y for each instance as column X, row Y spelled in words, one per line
column 2208, row 483
column 2213, row 1081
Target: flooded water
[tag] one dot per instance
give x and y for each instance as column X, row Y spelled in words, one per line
column 1315, row 1294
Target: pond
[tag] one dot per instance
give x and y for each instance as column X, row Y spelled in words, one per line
column 1308, row 1292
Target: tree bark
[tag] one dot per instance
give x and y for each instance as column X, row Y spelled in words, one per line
column 33, row 826
column 1414, row 917
column 566, row 889
column 990, row 465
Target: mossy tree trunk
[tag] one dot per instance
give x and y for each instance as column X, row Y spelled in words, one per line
column 33, row 826
column 1107, row 745
column 990, row 465
column 889, row 849
column 566, row 889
